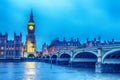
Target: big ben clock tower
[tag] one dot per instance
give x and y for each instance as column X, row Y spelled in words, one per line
column 30, row 37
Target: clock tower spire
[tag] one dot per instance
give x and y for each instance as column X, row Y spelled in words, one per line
column 31, row 17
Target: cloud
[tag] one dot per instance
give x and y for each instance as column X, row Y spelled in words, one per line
column 63, row 18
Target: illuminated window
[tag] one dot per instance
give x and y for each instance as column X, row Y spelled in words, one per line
column 2, row 48
column 30, row 46
column 2, row 53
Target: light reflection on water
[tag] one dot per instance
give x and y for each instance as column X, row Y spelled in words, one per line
column 30, row 71
column 43, row 71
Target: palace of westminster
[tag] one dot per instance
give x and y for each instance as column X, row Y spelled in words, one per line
column 15, row 49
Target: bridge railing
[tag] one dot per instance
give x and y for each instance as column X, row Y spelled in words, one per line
column 112, row 61
column 84, row 60
column 63, row 59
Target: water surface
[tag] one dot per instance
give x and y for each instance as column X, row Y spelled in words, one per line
column 44, row 71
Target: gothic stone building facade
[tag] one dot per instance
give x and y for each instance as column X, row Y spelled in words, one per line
column 57, row 45
column 10, row 49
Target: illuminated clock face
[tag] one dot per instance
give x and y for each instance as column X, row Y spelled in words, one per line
column 30, row 27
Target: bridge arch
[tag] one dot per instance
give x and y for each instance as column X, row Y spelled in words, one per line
column 43, row 57
column 54, row 59
column 85, row 59
column 64, row 59
column 31, row 56
column 94, row 54
column 47, row 57
column 112, row 55
column 54, row 56
column 65, row 55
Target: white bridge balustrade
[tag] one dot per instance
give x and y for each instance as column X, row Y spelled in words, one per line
column 111, row 61
column 64, row 59
column 84, row 60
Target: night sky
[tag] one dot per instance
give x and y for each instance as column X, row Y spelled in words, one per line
column 62, row 18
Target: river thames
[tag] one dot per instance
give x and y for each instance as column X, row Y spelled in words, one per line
column 44, row 71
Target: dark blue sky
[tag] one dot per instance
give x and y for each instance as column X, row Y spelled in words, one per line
column 62, row 18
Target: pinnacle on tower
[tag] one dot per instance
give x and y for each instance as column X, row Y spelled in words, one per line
column 31, row 17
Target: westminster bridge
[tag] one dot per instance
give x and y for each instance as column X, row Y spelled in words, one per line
column 103, row 59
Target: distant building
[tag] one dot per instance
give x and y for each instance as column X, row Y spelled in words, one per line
column 10, row 49
column 98, row 42
column 38, row 54
column 57, row 45
column 45, row 49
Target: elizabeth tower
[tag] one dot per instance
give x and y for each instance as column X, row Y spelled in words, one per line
column 30, row 37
